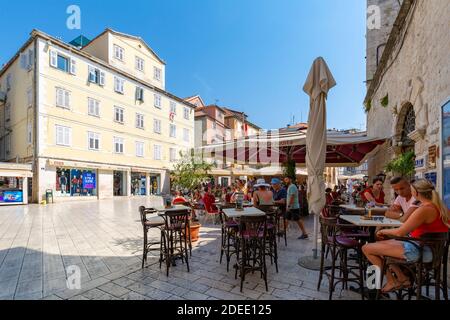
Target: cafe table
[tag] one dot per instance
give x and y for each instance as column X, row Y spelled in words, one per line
column 173, row 208
column 247, row 212
column 373, row 224
column 353, row 209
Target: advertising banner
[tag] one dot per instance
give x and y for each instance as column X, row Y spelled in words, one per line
column 89, row 180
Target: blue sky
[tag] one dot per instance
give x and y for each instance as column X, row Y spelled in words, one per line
column 251, row 55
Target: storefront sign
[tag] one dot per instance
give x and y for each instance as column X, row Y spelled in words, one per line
column 88, row 180
column 420, row 163
column 432, row 154
column 11, row 196
column 432, row 177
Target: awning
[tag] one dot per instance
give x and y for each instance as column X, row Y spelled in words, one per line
column 274, row 147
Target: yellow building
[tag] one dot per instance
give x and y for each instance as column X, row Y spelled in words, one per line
column 94, row 121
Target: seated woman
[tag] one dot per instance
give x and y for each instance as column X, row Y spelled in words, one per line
column 262, row 196
column 329, row 199
column 209, row 201
column 375, row 193
column 431, row 217
column 179, row 199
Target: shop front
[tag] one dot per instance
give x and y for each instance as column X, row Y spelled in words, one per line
column 155, row 184
column 120, row 183
column 14, row 183
column 76, row 182
column 138, row 184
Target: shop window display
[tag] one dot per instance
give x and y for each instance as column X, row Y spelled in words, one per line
column 11, row 190
column 139, row 184
column 76, row 183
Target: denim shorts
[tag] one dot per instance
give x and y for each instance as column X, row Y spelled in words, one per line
column 412, row 253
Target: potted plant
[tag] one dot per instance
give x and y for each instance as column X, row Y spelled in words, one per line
column 188, row 173
column 403, row 165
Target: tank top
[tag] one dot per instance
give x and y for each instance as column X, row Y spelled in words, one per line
column 437, row 226
column 265, row 200
column 380, row 198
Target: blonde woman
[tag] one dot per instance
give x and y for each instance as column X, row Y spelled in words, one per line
column 432, row 216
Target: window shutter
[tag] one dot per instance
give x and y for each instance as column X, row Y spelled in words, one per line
column 30, row 59
column 59, row 98
column 53, row 58
column 23, row 60
column 138, row 96
column 91, row 74
column 67, row 136
column 102, row 78
column 73, row 66
column 59, row 135
column 67, row 99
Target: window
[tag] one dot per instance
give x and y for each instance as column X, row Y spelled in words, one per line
column 186, row 113
column 118, row 52
column 157, row 126
column 173, row 155
column 30, row 133
column 139, row 121
column 139, row 64
column 94, row 141
column 30, row 97
column 96, row 76
column 157, row 152
column 62, row 62
column 119, row 85
column 157, row 73
column 139, row 149
column 173, row 131
column 140, row 94
column 173, row 107
column 214, row 125
column 63, row 136
column 186, row 135
column 118, row 114
column 158, row 101
column 118, row 145
column 8, row 112
column 62, row 98
column 93, row 107
column 27, row 60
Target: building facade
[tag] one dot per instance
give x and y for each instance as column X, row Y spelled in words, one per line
column 94, row 121
column 408, row 92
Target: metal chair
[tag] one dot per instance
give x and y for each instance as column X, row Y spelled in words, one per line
column 271, row 241
column 155, row 222
column 229, row 235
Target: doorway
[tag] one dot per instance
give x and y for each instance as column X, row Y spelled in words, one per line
column 120, row 184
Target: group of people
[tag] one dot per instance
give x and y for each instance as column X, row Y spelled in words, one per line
column 286, row 194
column 421, row 210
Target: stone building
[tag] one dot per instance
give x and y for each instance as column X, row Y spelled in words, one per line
column 410, row 85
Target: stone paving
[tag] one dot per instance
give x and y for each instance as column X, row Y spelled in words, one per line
column 104, row 239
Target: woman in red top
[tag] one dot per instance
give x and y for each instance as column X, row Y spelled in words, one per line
column 209, row 201
column 375, row 193
column 431, row 217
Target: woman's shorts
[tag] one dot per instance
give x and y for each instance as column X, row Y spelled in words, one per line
column 412, row 253
column 292, row 215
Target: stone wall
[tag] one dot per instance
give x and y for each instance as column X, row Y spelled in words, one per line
column 418, row 73
column 377, row 38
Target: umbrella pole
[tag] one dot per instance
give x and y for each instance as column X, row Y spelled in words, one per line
column 316, row 237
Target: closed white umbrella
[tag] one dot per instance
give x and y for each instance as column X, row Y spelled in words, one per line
column 319, row 82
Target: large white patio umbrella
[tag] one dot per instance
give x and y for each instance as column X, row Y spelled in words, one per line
column 319, row 82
